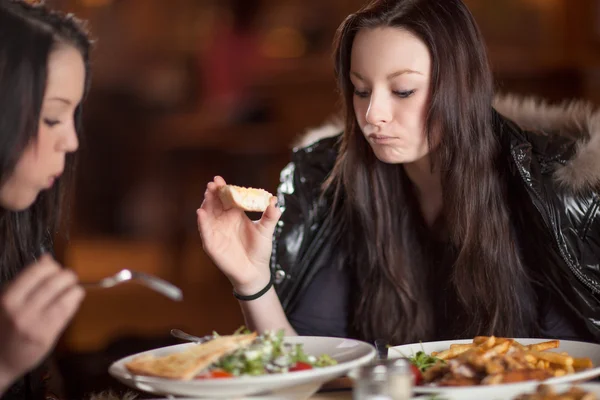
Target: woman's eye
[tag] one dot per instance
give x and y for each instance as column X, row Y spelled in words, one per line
column 404, row 93
column 360, row 94
column 51, row 122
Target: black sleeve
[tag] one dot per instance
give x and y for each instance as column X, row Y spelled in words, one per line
column 297, row 235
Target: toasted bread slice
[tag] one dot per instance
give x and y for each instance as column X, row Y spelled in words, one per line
column 187, row 364
column 248, row 199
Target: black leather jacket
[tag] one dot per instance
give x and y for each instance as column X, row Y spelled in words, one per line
column 553, row 154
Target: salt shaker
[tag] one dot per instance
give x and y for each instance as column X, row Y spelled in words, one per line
column 384, row 380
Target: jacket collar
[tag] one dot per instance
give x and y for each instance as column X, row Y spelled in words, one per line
column 575, row 120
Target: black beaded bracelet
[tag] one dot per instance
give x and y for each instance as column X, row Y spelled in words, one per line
column 257, row 295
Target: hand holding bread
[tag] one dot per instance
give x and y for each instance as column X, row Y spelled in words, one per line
column 240, row 247
column 247, row 199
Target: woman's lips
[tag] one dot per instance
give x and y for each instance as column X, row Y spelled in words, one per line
column 52, row 179
column 381, row 138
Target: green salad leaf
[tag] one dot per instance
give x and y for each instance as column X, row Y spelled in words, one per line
column 424, row 361
column 269, row 354
column 421, row 359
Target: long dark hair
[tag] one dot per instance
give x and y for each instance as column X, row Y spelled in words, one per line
column 28, row 35
column 376, row 203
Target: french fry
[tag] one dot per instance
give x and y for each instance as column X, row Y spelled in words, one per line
column 452, row 352
column 480, row 339
column 519, row 346
column 554, row 358
column 493, row 367
column 502, row 348
column 467, row 346
column 582, row 363
column 500, row 340
column 488, row 344
column 484, row 341
column 530, row 358
column 552, row 344
column 513, row 364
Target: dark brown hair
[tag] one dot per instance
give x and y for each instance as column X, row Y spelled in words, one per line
column 28, row 36
column 376, row 204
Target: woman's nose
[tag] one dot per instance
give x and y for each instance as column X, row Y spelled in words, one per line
column 70, row 142
column 379, row 111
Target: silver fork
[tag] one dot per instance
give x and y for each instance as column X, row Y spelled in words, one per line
column 382, row 349
column 157, row 284
column 179, row 334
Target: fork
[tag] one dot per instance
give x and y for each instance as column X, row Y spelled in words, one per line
column 179, row 334
column 157, row 284
column 382, row 349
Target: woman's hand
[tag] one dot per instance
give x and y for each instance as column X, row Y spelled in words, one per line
column 241, row 248
column 34, row 310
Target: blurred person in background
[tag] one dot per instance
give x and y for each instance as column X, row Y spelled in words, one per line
column 44, row 75
column 440, row 212
column 232, row 62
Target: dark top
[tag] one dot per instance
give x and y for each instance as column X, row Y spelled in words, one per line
column 31, row 387
column 324, row 311
column 325, row 308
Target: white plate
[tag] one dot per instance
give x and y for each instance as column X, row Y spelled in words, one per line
column 575, row 349
column 349, row 354
column 510, row 393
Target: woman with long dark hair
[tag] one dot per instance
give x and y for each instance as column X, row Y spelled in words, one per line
column 440, row 212
column 44, row 75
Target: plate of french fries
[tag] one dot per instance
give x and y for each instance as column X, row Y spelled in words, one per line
column 240, row 365
column 488, row 367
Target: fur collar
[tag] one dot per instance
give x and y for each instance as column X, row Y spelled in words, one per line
column 577, row 120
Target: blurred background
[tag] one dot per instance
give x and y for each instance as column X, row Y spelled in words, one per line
column 187, row 89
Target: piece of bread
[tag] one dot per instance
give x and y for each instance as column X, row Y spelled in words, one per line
column 248, row 199
column 187, row 364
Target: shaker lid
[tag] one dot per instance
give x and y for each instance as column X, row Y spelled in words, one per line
column 377, row 371
column 381, row 369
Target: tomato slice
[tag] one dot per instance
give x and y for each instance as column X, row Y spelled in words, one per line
column 219, row 373
column 301, row 366
column 417, row 375
column 215, row 374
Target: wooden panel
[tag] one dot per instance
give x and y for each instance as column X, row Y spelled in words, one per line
column 131, row 310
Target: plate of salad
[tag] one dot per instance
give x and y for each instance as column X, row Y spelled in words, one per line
column 242, row 364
